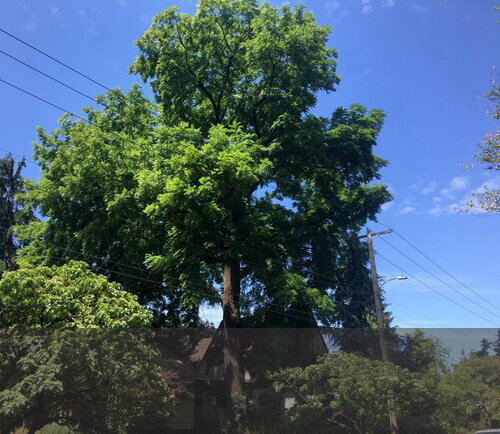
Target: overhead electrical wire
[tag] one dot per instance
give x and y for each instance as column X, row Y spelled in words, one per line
column 437, row 278
column 54, row 59
column 449, row 274
column 163, row 284
column 439, row 266
column 49, row 76
column 435, row 290
column 343, row 283
column 41, row 99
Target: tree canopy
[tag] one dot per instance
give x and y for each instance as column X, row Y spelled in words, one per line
column 348, row 393
column 230, row 171
column 488, row 155
column 237, row 60
column 88, row 380
column 66, row 296
column 468, row 398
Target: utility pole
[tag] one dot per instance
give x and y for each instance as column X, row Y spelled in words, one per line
column 380, row 317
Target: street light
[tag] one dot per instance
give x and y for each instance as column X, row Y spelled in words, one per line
column 401, row 277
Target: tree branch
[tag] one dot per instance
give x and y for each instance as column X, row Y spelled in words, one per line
column 199, row 83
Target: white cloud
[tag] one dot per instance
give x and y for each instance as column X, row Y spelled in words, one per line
column 407, row 210
column 429, row 188
column 387, row 205
column 388, row 3
column 30, row 27
column 437, row 199
column 331, row 6
column 456, row 184
column 472, row 196
column 54, row 10
column 418, row 8
column 459, row 182
column 436, row 211
column 366, row 7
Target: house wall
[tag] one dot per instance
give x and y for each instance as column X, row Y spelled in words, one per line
column 183, row 418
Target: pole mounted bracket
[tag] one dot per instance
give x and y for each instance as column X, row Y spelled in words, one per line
column 374, row 234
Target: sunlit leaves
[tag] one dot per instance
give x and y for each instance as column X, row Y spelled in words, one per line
column 66, row 296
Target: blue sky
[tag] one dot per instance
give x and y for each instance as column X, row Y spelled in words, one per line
column 426, row 63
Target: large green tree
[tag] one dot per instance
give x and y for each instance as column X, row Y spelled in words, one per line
column 230, row 184
column 267, row 191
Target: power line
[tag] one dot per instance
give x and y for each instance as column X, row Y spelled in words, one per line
column 435, row 290
column 336, row 281
column 415, row 312
column 437, row 278
column 143, row 270
column 215, row 298
column 449, row 274
column 208, row 295
column 441, row 268
column 54, row 59
column 49, row 76
column 43, row 100
column 344, row 308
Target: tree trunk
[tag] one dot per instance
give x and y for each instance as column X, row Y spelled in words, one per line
column 233, row 369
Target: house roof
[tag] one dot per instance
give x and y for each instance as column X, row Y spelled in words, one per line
column 201, row 349
column 264, row 348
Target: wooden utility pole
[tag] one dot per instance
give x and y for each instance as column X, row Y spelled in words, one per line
column 380, row 317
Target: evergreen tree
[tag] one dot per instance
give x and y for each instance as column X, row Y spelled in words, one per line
column 12, row 212
column 485, row 347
